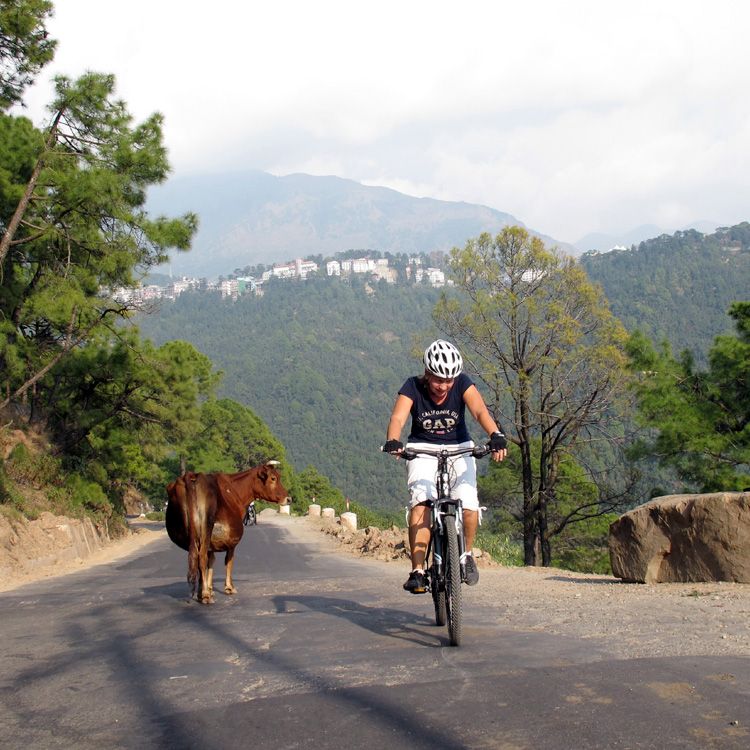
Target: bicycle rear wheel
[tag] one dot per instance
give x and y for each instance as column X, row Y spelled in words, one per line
column 453, row 582
column 438, row 594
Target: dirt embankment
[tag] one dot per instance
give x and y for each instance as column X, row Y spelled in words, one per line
column 55, row 545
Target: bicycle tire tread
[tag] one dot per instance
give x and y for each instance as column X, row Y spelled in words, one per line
column 454, row 604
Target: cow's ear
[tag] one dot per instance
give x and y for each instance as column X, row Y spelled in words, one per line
column 263, row 473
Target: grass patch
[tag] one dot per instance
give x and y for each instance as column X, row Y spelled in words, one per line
column 501, row 549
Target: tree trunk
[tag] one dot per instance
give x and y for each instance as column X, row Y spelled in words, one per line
column 542, row 529
column 529, row 517
column 530, row 555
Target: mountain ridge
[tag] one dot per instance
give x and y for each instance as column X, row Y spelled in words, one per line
column 603, row 241
column 252, row 217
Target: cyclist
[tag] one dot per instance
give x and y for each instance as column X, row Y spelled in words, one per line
column 437, row 402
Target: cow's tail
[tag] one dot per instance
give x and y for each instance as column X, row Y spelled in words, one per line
column 197, row 533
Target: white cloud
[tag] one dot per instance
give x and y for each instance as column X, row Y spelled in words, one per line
column 574, row 117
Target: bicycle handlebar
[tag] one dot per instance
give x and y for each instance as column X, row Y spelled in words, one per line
column 409, row 454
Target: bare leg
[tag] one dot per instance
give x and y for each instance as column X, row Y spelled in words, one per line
column 419, row 535
column 471, row 520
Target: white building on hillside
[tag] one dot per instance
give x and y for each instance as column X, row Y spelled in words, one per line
column 357, row 265
column 434, row 276
column 299, row 269
column 230, row 288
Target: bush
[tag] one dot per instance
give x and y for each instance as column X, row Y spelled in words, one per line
column 589, row 558
column 501, row 548
column 11, row 500
column 36, row 470
column 88, row 496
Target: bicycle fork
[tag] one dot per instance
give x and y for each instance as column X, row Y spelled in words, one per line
column 437, row 539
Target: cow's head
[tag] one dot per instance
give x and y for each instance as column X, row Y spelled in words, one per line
column 272, row 489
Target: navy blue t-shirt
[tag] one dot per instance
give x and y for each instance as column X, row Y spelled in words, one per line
column 433, row 423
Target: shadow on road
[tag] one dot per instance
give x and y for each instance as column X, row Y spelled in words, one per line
column 383, row 621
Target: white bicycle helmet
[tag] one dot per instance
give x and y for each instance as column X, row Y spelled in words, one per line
column 441, row 358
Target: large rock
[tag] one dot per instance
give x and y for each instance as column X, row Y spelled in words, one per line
column 684, row 538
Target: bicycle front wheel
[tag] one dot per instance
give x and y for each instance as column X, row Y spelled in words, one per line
column 454, row 609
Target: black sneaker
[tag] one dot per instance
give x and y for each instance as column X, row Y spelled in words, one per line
column 416, row 583
column 471, row 574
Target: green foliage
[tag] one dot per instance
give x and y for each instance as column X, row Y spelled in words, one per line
column 20, row 145
column 502, row 548
column 577, row 521
column 584, row 547
column 83, row 230
column 120, row 411
column 122, row 407
column 314, row 487
column 10, row 498
column 701, row 418
column 37, row 470
column 87, row 496
column 541, row 338
column 25, row 47
column 26, row 474
column 233, row 438
column 677, row 288
column 320, row 362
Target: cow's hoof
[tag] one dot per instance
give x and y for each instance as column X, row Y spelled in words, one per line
column 229, row 590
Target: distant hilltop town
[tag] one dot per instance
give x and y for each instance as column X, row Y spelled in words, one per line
column 379, row 269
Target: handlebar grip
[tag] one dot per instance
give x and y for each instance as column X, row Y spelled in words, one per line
column 407, row 453
column 480, row 451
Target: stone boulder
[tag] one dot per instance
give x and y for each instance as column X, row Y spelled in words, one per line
column 684, row 538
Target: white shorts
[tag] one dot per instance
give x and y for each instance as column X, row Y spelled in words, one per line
column 421, row 475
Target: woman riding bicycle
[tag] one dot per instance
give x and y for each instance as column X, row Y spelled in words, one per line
column 437, row 402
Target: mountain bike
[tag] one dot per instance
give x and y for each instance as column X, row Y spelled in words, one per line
column 447, row 547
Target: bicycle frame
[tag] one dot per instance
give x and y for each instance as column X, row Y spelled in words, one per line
column 251, row 517
column 446, row 547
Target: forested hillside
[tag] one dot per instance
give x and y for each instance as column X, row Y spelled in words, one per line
column 677, row 287
column 320, row 362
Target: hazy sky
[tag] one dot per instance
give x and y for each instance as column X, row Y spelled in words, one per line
column 573, row 116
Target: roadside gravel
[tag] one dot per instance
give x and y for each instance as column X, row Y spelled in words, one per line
column 629, row 620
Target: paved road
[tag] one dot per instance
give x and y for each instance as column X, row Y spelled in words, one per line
column 324, row 650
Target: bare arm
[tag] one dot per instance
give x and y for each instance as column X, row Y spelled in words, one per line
column 478, row 409
column 475, row 404
column 399, row 415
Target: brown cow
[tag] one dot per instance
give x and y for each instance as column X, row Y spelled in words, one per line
column 204, row 516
